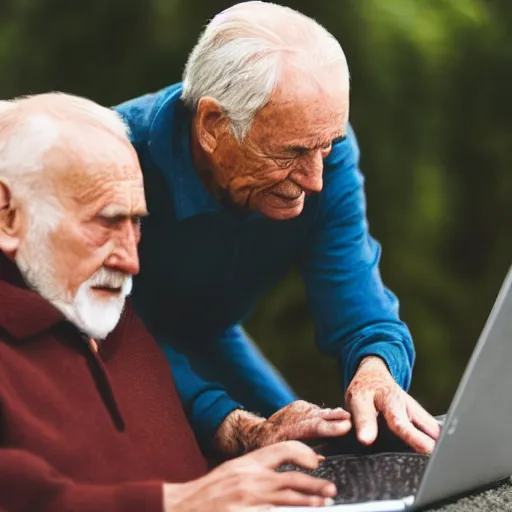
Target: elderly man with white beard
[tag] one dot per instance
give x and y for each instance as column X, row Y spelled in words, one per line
column 90, row 418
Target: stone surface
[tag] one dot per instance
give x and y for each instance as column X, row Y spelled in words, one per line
column 498, row 499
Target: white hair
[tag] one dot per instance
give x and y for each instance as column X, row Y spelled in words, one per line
column 29, row 128
column 32, row 125
column 239, row 57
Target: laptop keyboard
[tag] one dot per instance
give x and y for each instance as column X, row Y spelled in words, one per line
column 362, row 478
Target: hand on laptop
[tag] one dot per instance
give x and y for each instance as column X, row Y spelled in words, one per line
column 251, row 481
column 242, row 431
column 373, row 391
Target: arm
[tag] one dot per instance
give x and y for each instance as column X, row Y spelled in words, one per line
column 228, row 432
column 28, row 483
column 234, row 361
column 206, row 404
column 355, row 314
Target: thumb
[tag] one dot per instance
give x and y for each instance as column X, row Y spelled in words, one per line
column 287, row 452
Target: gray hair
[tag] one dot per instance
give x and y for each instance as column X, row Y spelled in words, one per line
column 29, row 127
column 239, row 57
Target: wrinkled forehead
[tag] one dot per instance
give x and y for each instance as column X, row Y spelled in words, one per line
column 88, row 165
column 305, row 107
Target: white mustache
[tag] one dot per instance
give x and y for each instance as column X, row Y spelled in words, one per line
column 287, row 189
column 106, row 278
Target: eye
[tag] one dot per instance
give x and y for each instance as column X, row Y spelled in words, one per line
column 302, row 152
column 110, row 222
column 284, row 163
column 107, row 222
column 340, row 139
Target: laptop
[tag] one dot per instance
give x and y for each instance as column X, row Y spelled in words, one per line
column 474, row 449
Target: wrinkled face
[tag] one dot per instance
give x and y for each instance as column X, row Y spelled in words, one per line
column 80, row 254
column 279, row 162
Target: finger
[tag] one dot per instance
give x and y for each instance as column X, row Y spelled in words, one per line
column 293, row 452
column 307, row 484
column 316, row 427
column 289, row 498
column 399, row 423
column 364, row 416
column 334, row 414
column 322, row 428
column 301, row 406
column 422, row 419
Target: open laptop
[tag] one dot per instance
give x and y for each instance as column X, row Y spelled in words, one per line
column 475, row 447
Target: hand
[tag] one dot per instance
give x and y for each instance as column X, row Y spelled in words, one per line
column 242, row 432
column 372, row 391
column 250, row 481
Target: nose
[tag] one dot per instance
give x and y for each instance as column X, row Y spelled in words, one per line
column 124, row 256
column 310, row 175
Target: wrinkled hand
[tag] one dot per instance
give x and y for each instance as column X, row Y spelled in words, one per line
column 300, row 420
column 250, row 481
column 242, row 432
column 372, row 391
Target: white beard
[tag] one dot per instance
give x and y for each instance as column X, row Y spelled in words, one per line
column 95, row 317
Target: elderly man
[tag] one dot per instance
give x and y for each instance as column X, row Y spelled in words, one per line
column 250, row 168
column 90, row 418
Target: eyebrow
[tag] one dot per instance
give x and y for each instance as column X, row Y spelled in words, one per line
column 115, row 211
column 317, row 144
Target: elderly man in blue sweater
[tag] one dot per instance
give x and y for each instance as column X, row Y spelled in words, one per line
column 251, row 168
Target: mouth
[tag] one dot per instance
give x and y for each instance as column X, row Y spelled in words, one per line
column 287, row 191
column 285, row 202
column 107, row 291
column 288, row 197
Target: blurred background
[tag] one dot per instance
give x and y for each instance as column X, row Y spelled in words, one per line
column 431, row 88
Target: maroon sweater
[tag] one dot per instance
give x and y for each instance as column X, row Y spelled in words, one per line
column 82, row 431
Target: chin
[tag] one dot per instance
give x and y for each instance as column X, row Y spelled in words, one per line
column 96, row 316
column 99, row 318
column 282, row 213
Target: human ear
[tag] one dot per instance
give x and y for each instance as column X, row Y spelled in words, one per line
column 211, row 122
column 10, row 221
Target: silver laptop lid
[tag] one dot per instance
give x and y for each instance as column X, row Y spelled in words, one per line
column 475, row 447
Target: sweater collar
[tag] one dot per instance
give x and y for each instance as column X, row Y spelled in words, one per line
column 169, row 144
column 23, row 312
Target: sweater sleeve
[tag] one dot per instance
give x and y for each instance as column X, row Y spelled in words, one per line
column 28, row 483
column 355, row 314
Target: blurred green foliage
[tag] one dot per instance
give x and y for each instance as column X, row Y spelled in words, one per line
column 431, row 82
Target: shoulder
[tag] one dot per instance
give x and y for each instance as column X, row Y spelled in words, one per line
column 342, row 175
column 139, row 113
column 131, row 323
column 345, row 152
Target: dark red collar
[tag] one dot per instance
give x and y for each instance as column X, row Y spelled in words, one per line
column 23, row 312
